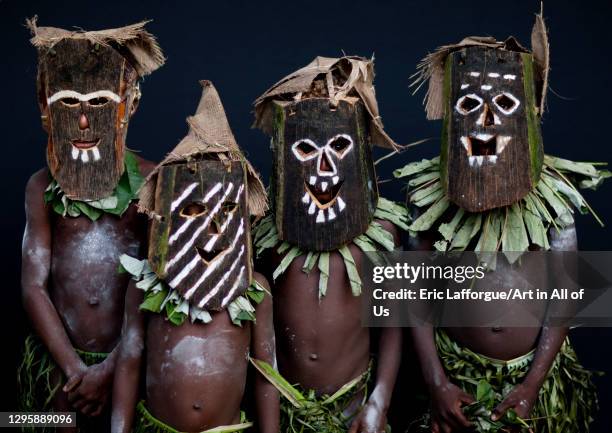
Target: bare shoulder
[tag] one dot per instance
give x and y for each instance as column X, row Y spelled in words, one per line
column 263, row 281
column 37, row 183
column 563, row 239
column 145, row 165
column 391, row 228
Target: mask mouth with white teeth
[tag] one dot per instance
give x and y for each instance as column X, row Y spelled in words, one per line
column 492, row 146
column 87, row 95
column 325, row 194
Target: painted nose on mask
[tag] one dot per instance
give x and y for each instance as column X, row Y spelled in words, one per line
column 488, row 116
column 325, row 166
column 83, row 122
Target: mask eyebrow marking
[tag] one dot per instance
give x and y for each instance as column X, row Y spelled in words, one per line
column 464, row 86
column 509, row 77
column 493, row 74
column 475, row 74
column 83, row 98
column 486, row 87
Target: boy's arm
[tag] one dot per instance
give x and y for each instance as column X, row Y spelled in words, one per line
column 523, row 396
column 263, row 347
column 35, row 271
column 446, row 398
column 373, row 417
column 129, row 359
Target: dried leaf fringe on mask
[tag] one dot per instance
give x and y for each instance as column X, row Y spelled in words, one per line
column 509, row 229
column 430, row 70
column 117, row 203
column 347, row 78
column 209, row 136
column 376, row 238
column 134, row 42
column 160, row 298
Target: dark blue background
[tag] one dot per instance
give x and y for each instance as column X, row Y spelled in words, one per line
column 245, row 46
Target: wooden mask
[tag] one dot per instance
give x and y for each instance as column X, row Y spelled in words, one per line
column 324, row 184
column 86, row 92
column 201, row 245
column 491, row 143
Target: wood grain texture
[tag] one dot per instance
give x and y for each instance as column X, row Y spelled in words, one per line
column 201, row 246
column 78, row 65
column 488, row 74
column 348, row 178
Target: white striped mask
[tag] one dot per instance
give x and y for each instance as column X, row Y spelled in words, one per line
column 201, row 245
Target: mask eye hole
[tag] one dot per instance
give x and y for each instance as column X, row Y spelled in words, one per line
column 228, row 207
column 468, row 103
column 305, row 149
column 70, row 102
column 193, row 210
column 98, row 102
column 340, row 144
column 506, row 103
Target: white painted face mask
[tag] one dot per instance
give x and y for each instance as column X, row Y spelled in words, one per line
column 324, row 184
column 492, row 150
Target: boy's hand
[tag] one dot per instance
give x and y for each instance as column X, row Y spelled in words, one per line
column 88, row 391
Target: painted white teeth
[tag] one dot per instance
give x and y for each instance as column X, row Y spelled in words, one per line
column 493, row 75
column 96, row 153
column 478, row 160
column 312, row 180
column 483, row 137
column 84, row 156
column 464, row 86
column 323, row 186
column 485, row 87
column 341, row 204
column 502, row 142
column 306, row 198
column 466, row 144
column 320, row 216
column 311, row 209
column 75, row 153
column 335, row 180
column 331, row 214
